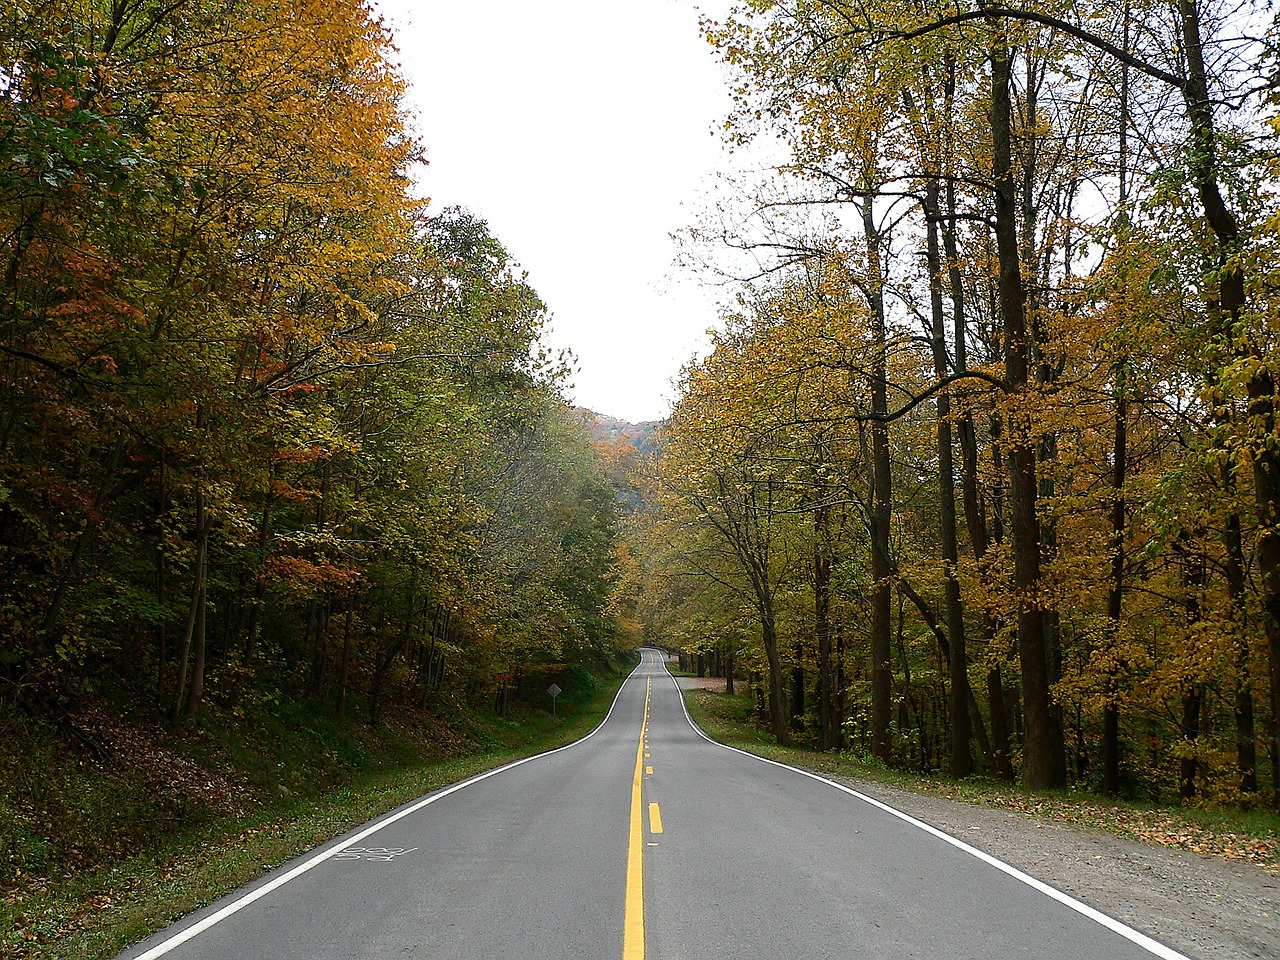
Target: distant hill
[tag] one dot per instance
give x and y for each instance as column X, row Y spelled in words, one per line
column 606, row 429
column 623, row 447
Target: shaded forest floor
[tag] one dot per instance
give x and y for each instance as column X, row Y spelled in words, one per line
column 112, row 826
column 1205, row 882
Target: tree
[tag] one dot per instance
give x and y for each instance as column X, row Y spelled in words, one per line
column 1005, row 141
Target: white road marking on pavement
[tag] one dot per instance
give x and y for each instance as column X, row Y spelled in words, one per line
column 374, row 854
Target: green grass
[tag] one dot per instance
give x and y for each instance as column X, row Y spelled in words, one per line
column 316, row 786
column 1239, row 835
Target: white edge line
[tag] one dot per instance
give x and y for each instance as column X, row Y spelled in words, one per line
column 1141, row 939
column 257, row 893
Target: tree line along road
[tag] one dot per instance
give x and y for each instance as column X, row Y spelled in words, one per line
column 647, row 840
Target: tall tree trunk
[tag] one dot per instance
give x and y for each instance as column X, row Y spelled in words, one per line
column 1024, row 528
column 1192, row 699
column 386, row 657
column 1002, row 761
column 1052, row 620
column 194, row 615
column 960, row 759
column 344, row 676
column 1045, row 374
column 1119, row 466
column 200, row 646
column 777, row 695
column 1246, row 731
column 841, row 696
column 162, row 588
column 1003, row 716
column 1261, row 387
column 1193, row 578
column 1115, row 594
column 199, row 643
column 184, row 655
column 975, row 517
column 822, row 620
column 999, row 470
column 881, row 503
column 797, row 689
column 317, row 610
column 260, row 585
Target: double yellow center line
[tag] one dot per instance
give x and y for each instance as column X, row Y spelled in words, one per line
column 633, row 918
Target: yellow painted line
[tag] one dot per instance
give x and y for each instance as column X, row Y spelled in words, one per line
column 633, row 915
column 648, row 771
column 655, row 819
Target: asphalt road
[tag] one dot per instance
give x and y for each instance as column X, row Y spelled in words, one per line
column 646, row 840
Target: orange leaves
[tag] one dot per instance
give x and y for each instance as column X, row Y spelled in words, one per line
column 300, row 455
column 298, row 574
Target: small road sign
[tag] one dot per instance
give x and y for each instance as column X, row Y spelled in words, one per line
column 555, row 691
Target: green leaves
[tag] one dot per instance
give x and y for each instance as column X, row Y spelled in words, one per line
column 248, row 390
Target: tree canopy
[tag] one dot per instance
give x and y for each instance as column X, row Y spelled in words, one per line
column 270, row 427
column 984, row 469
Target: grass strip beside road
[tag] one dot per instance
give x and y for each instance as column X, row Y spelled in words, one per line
column 97, row 914
column 1252, row 836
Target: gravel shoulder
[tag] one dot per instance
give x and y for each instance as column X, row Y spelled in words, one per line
column 1202, row 906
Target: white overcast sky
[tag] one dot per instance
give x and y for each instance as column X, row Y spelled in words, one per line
column 583, row 132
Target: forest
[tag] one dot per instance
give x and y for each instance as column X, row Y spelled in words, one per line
column 978, row 475
column 271, row 431
column 981, row 472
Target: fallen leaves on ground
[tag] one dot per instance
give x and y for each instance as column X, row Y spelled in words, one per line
column 1160, row 827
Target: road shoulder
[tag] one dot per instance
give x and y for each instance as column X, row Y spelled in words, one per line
column 1199, row 905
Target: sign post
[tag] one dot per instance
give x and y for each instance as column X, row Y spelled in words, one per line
column 555, row 691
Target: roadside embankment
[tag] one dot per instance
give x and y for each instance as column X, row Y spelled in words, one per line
column 104, row 844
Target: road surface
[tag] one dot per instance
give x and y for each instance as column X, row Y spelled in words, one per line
column 646, row 840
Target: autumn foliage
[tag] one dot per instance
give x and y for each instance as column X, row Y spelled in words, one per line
column 269, row 428
column 982, row 472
